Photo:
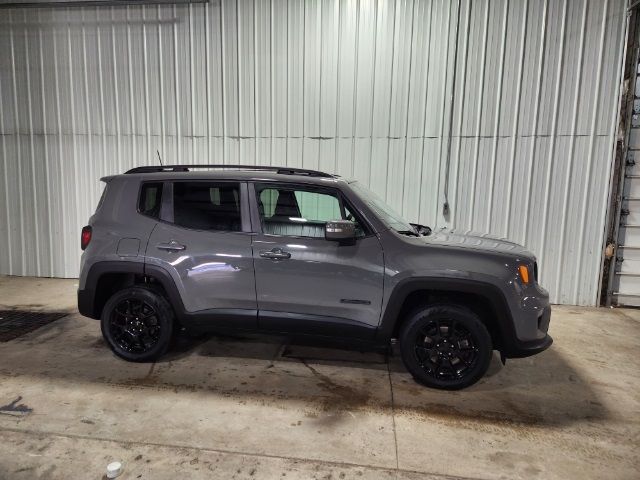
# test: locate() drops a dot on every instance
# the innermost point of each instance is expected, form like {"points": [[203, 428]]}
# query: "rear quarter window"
{"points": [[150, 199]]}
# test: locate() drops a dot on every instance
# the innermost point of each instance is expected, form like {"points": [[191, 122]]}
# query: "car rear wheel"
{"points": [[445, 346], [137, 323]]}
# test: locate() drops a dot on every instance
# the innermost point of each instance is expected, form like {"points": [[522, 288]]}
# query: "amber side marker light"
{"points": [[524, 273]]}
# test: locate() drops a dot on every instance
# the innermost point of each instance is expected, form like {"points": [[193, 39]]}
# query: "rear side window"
{"points": [[207, 206], [150, 199]]}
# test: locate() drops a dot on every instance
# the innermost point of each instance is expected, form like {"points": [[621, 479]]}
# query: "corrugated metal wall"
{"points": [[356, 87]]}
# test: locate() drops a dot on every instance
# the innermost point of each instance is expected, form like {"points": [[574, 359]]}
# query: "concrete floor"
{"points": [[259, 407]]}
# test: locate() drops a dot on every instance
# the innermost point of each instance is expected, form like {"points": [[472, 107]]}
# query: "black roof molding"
{"points": [[258, 168]]}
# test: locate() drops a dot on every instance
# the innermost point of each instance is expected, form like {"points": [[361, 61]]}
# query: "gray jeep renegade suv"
{"points": [[287, 250]]}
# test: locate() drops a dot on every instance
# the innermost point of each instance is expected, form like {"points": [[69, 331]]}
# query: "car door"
{"points": [[306, 283], [204, 242]]}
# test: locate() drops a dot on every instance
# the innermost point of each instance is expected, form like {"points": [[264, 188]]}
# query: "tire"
{"points": [[445, 346], [137, 324]]}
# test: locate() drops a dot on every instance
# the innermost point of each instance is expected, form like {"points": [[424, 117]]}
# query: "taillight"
{"points": [[85, 237]]}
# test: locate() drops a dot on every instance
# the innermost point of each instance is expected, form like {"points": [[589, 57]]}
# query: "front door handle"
{"points": [[275, 254], [172, 246]]}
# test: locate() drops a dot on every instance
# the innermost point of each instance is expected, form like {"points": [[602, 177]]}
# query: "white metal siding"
{"points": [[356, 87]]}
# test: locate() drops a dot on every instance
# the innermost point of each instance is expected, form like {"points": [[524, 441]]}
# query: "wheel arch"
{"points": [[483, 298], [106, 278]]}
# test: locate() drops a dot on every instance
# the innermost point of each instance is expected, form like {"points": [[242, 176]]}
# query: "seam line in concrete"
{"points": [[229, 452], [393, 414]]}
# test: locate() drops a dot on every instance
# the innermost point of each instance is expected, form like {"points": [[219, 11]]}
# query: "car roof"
{"points": [[229, 174]]}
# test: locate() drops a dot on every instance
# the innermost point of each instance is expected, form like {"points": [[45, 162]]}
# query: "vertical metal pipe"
{"points": [[447, 168], [463, 75], [445, 76]]}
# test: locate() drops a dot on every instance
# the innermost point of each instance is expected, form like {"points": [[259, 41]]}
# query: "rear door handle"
{"points": [[172, 246], [275, 254]]}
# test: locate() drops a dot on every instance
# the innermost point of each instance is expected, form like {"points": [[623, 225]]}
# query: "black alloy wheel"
{"points": [[137, 323], [134, 325], [445, 346], [445, 349]]}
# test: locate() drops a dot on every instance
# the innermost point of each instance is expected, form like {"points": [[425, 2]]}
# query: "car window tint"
{"points": [[150, 199], [207, 206], [269, 197], [318, 206], [298, 212]]}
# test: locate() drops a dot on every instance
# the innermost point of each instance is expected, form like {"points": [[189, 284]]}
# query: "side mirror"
{"points": [[341, 231]]}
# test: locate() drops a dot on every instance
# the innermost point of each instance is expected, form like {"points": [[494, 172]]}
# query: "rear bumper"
{"points": [[86, 300]]}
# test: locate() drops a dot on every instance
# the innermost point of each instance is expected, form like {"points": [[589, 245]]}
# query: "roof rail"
{"points": [[260, 168]]}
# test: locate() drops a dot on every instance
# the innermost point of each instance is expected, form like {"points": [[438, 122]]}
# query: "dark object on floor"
{"points": [[15, 323]]}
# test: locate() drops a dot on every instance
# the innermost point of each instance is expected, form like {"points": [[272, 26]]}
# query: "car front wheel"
{"points": [[445, 346], [137, 323]]}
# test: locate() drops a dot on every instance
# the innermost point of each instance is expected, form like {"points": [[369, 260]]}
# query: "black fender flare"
{"points": [[164, 278], [88, 296], [406, 287]]}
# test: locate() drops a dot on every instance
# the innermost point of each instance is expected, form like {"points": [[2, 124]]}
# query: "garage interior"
{"points": [[514, 118]]}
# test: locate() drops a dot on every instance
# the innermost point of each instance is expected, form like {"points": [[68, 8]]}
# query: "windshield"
{"points": [[388, 215]]}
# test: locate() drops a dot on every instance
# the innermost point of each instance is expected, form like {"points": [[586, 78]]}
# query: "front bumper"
{"points": [[519, 349]]}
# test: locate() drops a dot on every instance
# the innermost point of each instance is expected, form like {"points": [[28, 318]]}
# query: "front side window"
{"points": [[207, 206], [299, 212], [150, 199]]}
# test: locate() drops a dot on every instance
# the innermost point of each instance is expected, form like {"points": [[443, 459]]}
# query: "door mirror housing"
{"points": [[341, 231]]}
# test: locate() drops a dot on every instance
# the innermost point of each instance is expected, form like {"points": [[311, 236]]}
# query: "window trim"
{"points": [[167, 213], [369, 231]]}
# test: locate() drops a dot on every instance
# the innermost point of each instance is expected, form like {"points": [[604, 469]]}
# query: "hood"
{"points": [[477, 241]]}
